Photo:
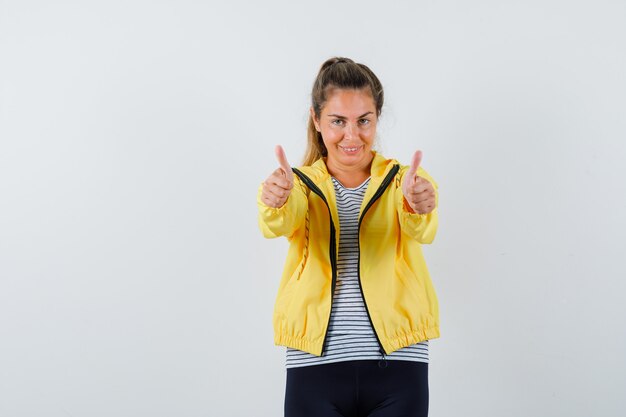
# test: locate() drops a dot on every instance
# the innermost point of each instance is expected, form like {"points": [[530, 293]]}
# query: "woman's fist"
{"points": [[277, 187], [419, 193]]}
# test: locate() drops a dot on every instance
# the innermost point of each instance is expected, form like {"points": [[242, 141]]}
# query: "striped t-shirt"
{"points": [[350, 334]]}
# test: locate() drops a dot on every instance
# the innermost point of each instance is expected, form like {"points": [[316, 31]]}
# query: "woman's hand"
{"points": [[277, 187], [419, 193]]}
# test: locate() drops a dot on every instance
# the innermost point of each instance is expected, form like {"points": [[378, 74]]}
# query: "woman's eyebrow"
{"points": [[344, 117]]}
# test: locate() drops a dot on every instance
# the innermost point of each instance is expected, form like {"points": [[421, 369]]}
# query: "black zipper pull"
{"points": [[383, 362]]}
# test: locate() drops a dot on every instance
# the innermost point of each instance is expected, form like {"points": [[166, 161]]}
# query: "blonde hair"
{"points": [[342, 73]]}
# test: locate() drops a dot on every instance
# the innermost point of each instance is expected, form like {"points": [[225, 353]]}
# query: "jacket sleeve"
{"points": [[421, 227], [285, 220]]}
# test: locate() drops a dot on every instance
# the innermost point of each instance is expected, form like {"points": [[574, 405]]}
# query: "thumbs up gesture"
{"points": [[277, 187], [419, 193]]}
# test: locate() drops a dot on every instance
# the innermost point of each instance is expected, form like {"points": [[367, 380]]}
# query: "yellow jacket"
{"points": [[396, 287]]}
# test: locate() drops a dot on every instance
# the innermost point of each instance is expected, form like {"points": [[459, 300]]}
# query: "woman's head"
{"points": [[356, 97]]}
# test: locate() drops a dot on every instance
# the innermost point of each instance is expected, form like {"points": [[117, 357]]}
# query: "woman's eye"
{"points": [[337, 122], [364, 121]]}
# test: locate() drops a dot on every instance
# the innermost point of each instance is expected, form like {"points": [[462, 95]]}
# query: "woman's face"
{"points": [[348, 126]]}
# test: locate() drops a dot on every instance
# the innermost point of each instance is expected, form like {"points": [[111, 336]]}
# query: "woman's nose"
{"points": [[350, 131]]}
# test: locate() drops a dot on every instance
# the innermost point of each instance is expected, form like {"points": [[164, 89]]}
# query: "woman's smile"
{"points": [[350, 150]]}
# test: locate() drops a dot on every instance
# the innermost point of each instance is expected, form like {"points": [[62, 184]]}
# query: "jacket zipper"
{"points": [[333, 243], [376, 196], [332, 248]]}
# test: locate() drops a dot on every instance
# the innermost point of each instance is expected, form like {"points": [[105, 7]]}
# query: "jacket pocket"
{"points": [[413, 285]]}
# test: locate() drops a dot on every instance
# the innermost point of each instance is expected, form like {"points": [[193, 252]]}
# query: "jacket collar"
{"points": [[319, 175]]}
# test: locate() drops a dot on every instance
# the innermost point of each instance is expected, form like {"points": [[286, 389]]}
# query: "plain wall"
{"points": [[134, 280]]}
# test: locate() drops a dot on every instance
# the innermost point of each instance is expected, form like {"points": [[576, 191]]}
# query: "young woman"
{"points": [[355, 305]]}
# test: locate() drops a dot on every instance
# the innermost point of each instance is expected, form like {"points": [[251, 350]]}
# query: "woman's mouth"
{"points": [[351, 150]]}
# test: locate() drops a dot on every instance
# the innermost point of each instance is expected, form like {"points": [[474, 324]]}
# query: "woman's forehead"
{"points": [[349, 103]]}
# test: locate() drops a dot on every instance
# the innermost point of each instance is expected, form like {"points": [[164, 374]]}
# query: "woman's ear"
{"points": [[315, 121]]}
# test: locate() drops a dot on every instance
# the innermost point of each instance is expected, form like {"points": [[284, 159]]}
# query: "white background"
{"points": [[133, 136]]}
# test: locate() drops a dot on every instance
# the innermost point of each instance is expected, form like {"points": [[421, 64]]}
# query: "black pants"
{"points": [[358, 389]]}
